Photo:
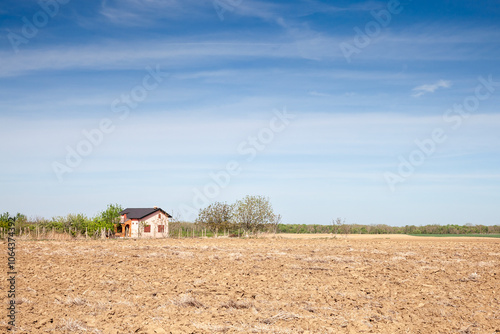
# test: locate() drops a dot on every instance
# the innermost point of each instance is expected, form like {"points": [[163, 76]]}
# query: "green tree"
{"points": [[106, 219], [4, 220], [77, 223], [111, 215]]}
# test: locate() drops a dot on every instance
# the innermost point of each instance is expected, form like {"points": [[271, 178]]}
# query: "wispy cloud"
{"points": [[122, 56], [294, 41], [275, 12], [430, 88], [145, 12]]}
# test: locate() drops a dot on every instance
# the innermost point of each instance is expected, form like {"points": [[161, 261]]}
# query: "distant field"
{"points": [[458, 235], [375, 236]]}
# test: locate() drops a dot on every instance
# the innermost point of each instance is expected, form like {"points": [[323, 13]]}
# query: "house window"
{"points": [[147, 228], [161, 228], [159, 215]]}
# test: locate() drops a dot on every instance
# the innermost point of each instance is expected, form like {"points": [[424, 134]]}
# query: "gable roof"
{"points": [[138, 213]]}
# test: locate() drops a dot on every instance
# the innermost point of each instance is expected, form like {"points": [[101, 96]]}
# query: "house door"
{"points": [[127, 230]]}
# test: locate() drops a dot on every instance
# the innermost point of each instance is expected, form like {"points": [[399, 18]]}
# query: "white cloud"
{"points": [[430, 88]]}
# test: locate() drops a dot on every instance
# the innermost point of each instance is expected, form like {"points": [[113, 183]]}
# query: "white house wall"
{"points": [[153, 221], [134, 229]]}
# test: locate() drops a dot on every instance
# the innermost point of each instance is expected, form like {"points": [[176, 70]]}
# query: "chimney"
{"points": [[155, 207]]}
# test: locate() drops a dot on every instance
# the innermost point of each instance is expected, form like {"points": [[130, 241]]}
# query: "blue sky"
{"points": [[380, 112]]}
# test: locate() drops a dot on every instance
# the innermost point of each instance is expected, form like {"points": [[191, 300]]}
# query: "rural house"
{"points": [[143, 223]]}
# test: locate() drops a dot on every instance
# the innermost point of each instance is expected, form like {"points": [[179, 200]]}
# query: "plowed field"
{"points": [[287, 285]]}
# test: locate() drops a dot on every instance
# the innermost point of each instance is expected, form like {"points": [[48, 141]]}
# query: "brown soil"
{"points": [[382, 284]]}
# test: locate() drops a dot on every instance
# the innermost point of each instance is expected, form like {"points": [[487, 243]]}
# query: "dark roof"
{"points": [[138, 213]]}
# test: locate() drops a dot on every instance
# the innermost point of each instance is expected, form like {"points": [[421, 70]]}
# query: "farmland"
{"points": [[290, 284]]}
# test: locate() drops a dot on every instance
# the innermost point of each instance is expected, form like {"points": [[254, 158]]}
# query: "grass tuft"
{"points": [[187, 300], [238, 305]]}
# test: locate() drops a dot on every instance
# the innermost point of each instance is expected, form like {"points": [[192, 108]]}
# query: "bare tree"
{"points": [[346, 229], [275, 223], [217, 216], [253, 213], [337, 223], [174, 224]]}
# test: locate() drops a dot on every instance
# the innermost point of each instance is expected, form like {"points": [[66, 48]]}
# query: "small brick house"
{"points": [[143, 223]]}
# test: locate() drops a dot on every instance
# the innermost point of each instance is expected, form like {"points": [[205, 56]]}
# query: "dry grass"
{"points": [[237, 305], [472, 277], [187, 300], [75, 326], [23, 300], [207, 328], [70, 301], [280, 316]]}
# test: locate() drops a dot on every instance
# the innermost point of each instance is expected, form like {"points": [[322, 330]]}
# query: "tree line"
{"points": [[386, 229], [74, 224], [249, 215]]}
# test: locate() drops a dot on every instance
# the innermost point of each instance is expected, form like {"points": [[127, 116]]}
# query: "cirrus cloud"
{"points": [[430, 88]]}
